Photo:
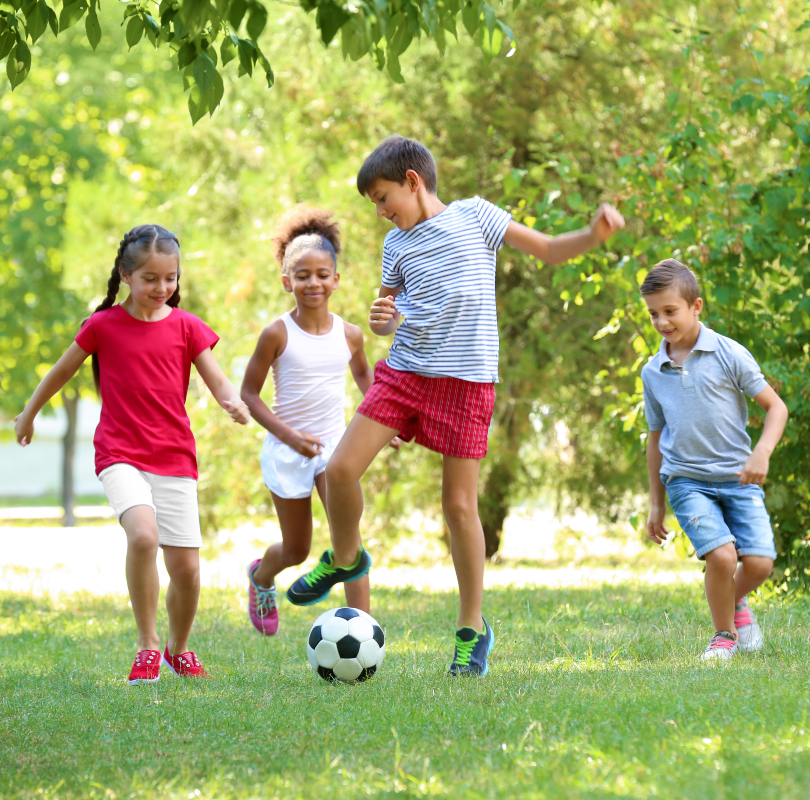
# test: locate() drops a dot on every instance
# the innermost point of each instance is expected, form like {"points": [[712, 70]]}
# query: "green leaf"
{"points": [[227, 50], [134, 31], [38, 20], [256, 21], [52, 21], [186, 54], [8, 38], [471, 16], [195, 14], [574, 200], [238, 9], [71, 14], [204, 72], [93, 29], [430, 16], [152, 28], [394, 69], [247, 57], [167, 12], [18, 64], [329, 20], [217, 92], [268, 70], [197, 104], [507, 32]]}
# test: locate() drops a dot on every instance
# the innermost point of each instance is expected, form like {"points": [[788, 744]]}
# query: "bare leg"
{"points": [[364, 438], [183, 594], [358, 593], [143, 582], [295, 521], [460, 505], [720, 589], [751, 574]]}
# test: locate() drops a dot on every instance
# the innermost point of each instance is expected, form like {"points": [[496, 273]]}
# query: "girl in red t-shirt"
{"points": [[146, 458]]}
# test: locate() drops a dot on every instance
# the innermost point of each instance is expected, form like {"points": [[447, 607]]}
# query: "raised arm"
{"points": [[383, 318], [223, 390], [59, 374], [565, 246]]}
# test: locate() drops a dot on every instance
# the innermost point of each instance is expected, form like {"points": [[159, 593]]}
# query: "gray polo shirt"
{"points": [[700, 408]]}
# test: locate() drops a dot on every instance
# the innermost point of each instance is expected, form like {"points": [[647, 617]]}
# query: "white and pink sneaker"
{"points": [[262, 604], [723, 645], [748, 630]]}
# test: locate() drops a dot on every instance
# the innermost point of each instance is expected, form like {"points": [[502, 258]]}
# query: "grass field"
{"points": [[592, 693]]}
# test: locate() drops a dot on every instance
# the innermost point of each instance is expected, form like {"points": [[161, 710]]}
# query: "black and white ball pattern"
{"points": [[346, 644]]}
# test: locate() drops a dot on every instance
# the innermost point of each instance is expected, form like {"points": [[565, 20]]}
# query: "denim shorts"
{"points": [[712, 514]]}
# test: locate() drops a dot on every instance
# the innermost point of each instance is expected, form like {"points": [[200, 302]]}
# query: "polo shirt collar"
{"points": [[707, 342]]}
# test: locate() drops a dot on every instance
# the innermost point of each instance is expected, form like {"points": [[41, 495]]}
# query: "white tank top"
{"points": [[310, 380]]}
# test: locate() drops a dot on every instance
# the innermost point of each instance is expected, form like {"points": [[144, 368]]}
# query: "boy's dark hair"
{"points": [[671, 272], [134, 249], [392, 158], [301, 220]]}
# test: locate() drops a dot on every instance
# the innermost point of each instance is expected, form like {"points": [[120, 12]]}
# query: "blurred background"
{"points": [[692, 118]]}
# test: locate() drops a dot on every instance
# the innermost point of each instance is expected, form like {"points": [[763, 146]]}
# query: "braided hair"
{"points": [[315, 229], [133, 251]]}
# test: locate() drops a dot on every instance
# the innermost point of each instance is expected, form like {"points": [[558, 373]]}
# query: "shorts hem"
{"points": [[197, 546], [452, 452], [757, 551], [134, 505], [288, 497], [713, 545]]}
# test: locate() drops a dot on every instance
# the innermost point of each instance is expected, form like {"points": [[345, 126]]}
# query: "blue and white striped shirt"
{"points": [[446, 266]]}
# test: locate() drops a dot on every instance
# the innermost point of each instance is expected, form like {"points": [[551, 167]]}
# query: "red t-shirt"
{"points": [[145, 367]]}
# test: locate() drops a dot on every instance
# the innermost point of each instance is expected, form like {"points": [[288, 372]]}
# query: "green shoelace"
{"points": [[321, 571], [464, 650]]}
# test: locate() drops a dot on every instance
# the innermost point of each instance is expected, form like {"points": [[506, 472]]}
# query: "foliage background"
{"points": [[692, 117]]}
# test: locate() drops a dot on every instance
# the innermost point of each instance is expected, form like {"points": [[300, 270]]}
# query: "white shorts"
{"points": [[290, 475], [172, 498]]}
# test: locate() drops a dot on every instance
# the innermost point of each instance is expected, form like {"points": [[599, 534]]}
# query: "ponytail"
{"points": [[133, 250]]}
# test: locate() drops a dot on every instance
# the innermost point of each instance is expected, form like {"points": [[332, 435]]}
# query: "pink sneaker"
{"points": [[747, 628], [262, 608], [723, 645]]}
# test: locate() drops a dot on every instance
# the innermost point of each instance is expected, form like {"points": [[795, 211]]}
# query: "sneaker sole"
{"points": [[144, 680], [164, 663], [753, 647]]}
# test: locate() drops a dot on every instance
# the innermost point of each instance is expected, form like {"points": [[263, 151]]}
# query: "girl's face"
{"points": [[155, 281], [312, 279]]}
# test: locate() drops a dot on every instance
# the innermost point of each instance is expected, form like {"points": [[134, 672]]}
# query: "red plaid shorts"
{"points": [[447, 415]]}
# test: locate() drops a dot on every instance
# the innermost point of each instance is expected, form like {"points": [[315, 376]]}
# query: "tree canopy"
{"points": [[206, 35]]}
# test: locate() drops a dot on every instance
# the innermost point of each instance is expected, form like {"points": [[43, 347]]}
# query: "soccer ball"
{"points": [[346, 644]]}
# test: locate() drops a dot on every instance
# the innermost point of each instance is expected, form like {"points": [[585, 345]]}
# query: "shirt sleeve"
{"points": [[201, 337], [652, 408], [747, 373], [493, 221], [391, 273], [86, 337]]}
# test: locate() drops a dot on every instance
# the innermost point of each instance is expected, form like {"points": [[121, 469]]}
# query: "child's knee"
{"points": [[185, 572], [296, 553], [142, 539], [723, 558], [757, 568], [340, 472], [460, 510]]}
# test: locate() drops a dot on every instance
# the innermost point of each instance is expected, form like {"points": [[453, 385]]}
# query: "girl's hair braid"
{"points": [[301, 220], [133, 251]]}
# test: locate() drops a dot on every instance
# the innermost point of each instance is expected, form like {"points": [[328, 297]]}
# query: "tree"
{"points": [[205, 34]]}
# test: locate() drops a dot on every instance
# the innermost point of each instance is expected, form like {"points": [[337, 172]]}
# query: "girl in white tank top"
{"points": [[308, 349]]}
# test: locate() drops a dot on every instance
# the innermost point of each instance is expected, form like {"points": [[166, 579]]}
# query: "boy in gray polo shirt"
{"points": [[699, 454]]}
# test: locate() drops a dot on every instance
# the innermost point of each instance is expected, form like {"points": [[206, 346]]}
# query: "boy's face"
{"points": [[398, 203], [673, 316]]}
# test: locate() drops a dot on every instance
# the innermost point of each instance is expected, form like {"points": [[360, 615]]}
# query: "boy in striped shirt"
{"points": [[438, 384]]}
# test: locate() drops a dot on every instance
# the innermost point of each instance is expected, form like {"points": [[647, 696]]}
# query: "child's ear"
{"points": [[285, 282], [698, 307], [412, 179]]}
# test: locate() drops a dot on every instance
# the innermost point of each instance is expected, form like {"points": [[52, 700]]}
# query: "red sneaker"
{"points": [[146, 668], [186, 665]]}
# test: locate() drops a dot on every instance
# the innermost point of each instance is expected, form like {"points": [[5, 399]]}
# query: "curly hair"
{"points": [[299, 221]]}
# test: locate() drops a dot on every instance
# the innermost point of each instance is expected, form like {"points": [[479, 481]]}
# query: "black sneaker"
{"points": [[316, 585], [472, 651]]}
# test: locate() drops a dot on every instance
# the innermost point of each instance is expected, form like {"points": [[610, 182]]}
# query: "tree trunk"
{"points": [[71, 402], [493, 505]]}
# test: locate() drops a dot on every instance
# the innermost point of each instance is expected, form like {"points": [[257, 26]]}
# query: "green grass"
{"points": [[592, 693]]}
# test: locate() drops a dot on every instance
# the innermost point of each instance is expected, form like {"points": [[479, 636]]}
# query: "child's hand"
{"points": [[382, 312], [396, 443], [238, 411], [606, 221], [23, 429], [304, 443], [655, 525], [755, 469]]}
